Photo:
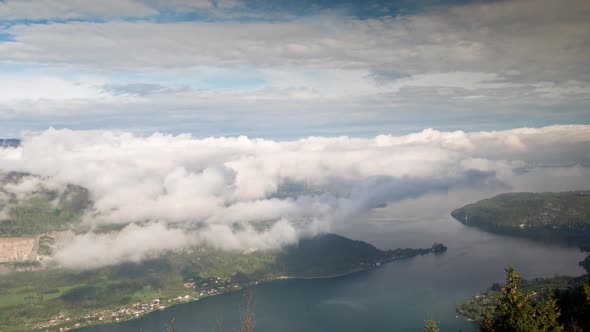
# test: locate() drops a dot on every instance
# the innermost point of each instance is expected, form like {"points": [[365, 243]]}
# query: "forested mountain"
{"points": [[563, 210]]}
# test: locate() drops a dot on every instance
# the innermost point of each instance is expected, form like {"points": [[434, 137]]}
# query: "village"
{"points": [[200, 289]]}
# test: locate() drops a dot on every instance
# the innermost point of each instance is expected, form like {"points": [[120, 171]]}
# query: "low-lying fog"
{"points": [[238, 193]]}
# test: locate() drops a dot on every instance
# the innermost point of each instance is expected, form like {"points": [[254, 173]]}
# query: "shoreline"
{"points": [[147, 305], [249, 286]]}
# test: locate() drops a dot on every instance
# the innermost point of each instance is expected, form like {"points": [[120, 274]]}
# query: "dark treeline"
{"points": [[519, 310]]}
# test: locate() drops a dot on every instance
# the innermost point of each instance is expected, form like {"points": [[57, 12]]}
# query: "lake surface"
{"points": [[399, 296]]}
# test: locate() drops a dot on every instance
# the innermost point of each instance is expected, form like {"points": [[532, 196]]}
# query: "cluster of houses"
{"points": [[121, 313], [135, 310], [57, 320], [202, 288], [212, 286]]}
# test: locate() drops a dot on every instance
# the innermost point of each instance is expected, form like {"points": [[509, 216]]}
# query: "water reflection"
{"points": [[397, 297]]}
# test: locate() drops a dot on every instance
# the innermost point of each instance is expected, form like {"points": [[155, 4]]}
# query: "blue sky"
{"points": [[287, 69]]}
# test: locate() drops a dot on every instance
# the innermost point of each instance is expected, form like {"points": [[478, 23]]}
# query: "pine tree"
{"points": [[585, 288], [577, 306], [547, 313], [431, 326], [487, 325], [517, 312]]}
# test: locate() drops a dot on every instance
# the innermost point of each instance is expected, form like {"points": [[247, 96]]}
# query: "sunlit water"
{"points": [[399, 296]]}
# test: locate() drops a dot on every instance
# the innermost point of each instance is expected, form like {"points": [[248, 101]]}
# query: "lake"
{"points": [[398, 296]]}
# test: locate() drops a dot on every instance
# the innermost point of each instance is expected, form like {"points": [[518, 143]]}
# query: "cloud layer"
{"points": [[547, 41], [143, 65], [240, 193]]}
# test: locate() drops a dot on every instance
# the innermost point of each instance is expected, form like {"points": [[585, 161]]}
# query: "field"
{"points": [[27, 298], [61, 298]]}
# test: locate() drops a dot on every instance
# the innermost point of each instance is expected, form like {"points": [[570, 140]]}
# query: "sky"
{"points": [[250, 124], [290, 69]]}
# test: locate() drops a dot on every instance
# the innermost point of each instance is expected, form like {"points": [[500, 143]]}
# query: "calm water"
{"points": [[396, 297]]}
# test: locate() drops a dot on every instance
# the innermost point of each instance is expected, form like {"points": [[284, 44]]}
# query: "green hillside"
{"points": [[50, 297], [33, 298], [42, 211], [331, 254], [328, 255], [564, 210]]}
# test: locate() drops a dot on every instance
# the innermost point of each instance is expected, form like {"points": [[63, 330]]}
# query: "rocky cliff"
{"points": [[18, 249]]}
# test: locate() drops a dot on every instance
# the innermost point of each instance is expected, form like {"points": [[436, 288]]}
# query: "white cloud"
{"points": [[483, 57], [530, 40], [133, 244], [275, 191], [71, 9]]}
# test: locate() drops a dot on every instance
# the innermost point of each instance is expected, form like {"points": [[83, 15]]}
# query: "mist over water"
{"points": [[399, 296], [192, 127], [170, 191], [393, 192]]}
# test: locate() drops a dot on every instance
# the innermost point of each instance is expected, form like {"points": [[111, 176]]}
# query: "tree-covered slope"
{"points": [[482, 305], [40, 210], [563, 210], [562, 217], [28, 299], [41, 296], [331, 254], [551, 304], [327, 254]]}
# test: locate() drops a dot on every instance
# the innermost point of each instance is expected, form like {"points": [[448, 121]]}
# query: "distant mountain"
{"points": [[330, 254], [526, 211], [561, 217], [9, 142]]}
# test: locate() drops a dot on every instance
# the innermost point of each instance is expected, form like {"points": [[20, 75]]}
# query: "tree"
{"points": [[585, 289], [575, 306], [431, 326], [547, 313], [486, 325], [518, 312]]}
